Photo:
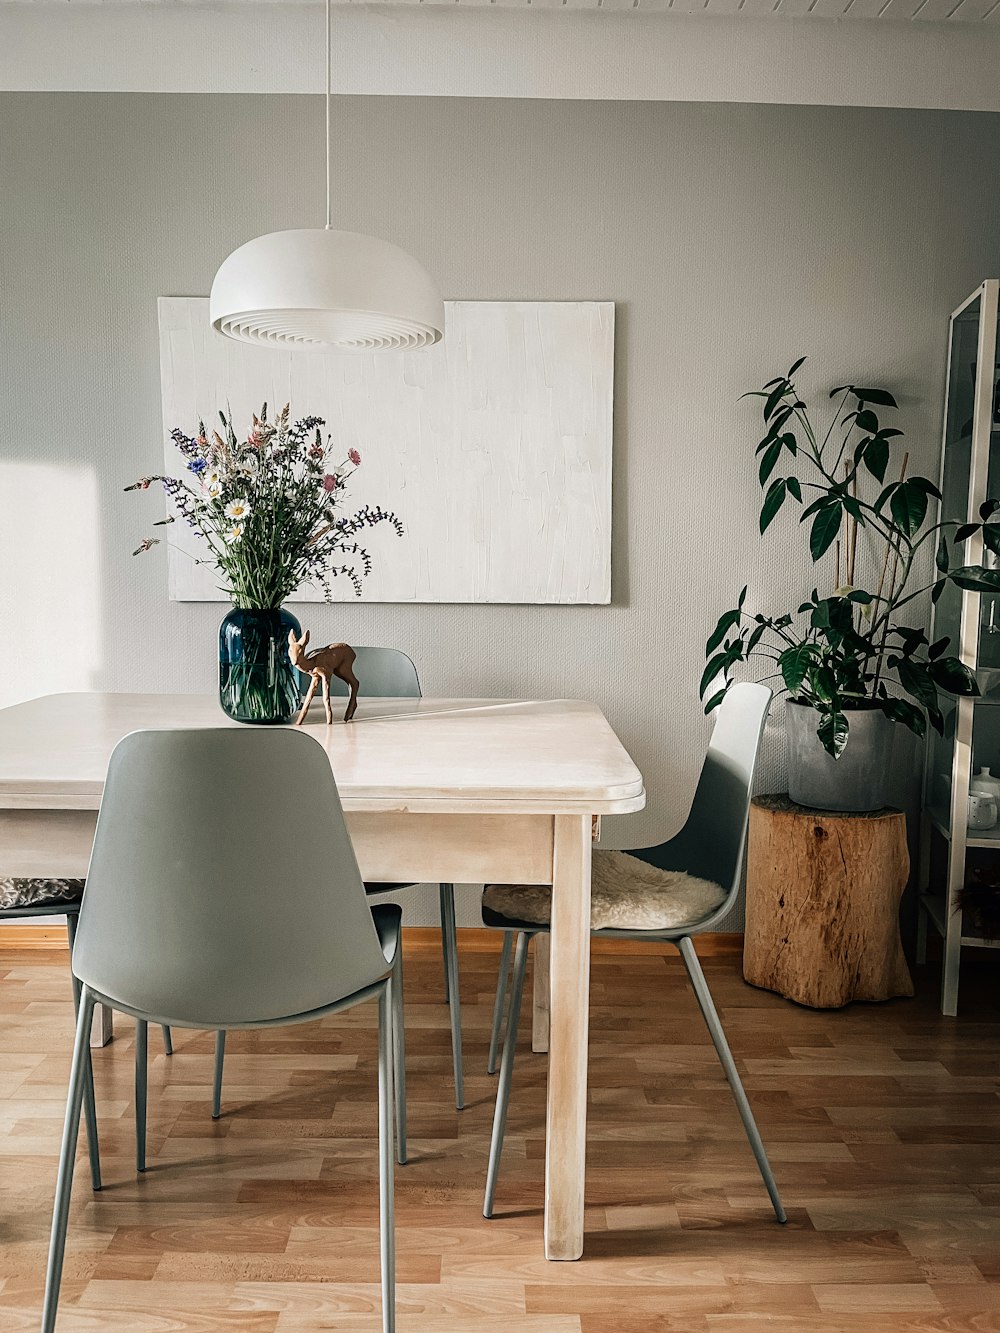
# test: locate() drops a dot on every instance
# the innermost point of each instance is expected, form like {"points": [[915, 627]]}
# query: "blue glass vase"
{"points": [[257, 682]]}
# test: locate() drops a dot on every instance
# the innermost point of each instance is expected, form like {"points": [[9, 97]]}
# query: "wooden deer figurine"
{"points": [[336, 659]]}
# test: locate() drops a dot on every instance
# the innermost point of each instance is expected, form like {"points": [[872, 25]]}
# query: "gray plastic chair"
{"points": [[223, 892], [70, 910], [387, 673], [709, 846]]}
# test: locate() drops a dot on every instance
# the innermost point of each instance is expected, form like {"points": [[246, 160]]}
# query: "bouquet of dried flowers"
{"points": [[268, 507]]}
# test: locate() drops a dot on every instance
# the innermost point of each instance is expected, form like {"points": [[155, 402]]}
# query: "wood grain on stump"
{"points": [[823, 891]]}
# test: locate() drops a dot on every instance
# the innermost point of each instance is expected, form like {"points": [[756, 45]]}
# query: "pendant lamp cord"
{"points": [[327, 110]]}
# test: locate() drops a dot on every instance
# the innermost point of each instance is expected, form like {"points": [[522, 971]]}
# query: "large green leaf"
{"points": [[941, 557], [975, 578], [773, 501], [770, 459], [910, 638], [901, 710], [925, 484], [908, 507], [880, 397], [795, 367], [833, 732], [916, 681], [714, 666], [793, 664], [775, 397], [754, 639], [953, 675], [822, 683], [876, 456], [714, 702], [884, 495], [725, 623], [825, 527]]}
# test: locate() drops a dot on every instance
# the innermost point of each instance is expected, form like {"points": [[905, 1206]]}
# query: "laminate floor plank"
{"points": [[882, 1122]]}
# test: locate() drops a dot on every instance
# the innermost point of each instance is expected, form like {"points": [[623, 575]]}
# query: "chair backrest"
{"points": [[383, 673], [711, 843], [223, 888]]}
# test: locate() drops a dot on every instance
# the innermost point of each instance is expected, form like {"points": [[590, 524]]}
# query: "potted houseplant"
{"points": [[852, 663], [267, 507]]}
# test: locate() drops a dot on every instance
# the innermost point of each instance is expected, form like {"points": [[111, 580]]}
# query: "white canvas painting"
{"points": [[493, 447]]}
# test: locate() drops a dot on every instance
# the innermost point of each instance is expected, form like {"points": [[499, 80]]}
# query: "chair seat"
{"points": [[16, 893], [626, 894]]}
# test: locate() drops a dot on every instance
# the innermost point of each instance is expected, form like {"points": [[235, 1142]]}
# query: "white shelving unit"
{"points": [[970, 472]]}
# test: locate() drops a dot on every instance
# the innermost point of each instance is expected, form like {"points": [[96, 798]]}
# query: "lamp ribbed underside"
{"points": [[346, 330]]}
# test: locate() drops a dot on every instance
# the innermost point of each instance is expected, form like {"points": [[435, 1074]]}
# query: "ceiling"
{"points": [[934, 11], [925, 11], [934, 54]]}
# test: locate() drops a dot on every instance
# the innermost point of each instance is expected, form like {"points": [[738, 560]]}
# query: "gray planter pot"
{"points": [[858, 780]]}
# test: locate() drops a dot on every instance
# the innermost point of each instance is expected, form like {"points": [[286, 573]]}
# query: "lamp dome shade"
{"points": [[315, 288]]}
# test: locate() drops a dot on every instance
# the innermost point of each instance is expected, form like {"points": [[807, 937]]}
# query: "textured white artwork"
{"points": [[493, 448]]}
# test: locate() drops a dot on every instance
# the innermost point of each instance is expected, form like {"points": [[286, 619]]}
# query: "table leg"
{"points": [[540, 996], [102, 1029], [566, 1116]]}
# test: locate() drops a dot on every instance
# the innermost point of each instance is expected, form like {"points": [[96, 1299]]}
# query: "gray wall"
{"points": [[733, 239]]}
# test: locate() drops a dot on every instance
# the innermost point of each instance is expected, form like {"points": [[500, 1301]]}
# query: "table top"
{"points": [[424, 755]]}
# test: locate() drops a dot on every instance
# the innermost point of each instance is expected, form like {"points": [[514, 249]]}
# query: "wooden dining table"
{"points": [[454, 790]]}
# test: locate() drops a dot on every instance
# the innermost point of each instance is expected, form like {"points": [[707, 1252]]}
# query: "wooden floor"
{"points": [[883, 1125]]}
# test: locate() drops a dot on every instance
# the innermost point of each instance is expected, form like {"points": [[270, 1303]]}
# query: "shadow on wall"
{"points": [[50, 603]]}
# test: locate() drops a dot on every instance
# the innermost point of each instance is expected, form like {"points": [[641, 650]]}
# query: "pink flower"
{"points": [[330, 482], [255, 439], [354, 456]]}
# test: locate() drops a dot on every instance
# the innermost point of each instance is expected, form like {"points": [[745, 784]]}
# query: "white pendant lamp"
{"points": [[324, 289]]}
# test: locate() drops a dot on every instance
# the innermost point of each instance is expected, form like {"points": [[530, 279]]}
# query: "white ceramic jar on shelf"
{"points": [[984, 800]]}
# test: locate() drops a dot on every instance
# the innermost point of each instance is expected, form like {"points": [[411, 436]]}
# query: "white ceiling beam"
{"points": [[462, 51]]}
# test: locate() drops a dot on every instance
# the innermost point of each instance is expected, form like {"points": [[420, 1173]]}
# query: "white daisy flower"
{"points": [[237, 509], [212, 478], [235, 533], [214, 490]]}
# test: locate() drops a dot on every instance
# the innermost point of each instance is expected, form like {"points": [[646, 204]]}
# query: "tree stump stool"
{"points": [[823, 891]]}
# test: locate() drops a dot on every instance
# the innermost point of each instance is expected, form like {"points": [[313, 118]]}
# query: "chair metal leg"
{"points": [[67, 1155], [387, 1221], [499, 1002], [449, 937], [399, 1056], [141, 1050], [506, 1072], [220, 1059], [168, 1041], [89, 1102], [712, 1021], [442, 888]]}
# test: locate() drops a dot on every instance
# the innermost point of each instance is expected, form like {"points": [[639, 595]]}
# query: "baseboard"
{"points": [[418, 940], [32, 935]]}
